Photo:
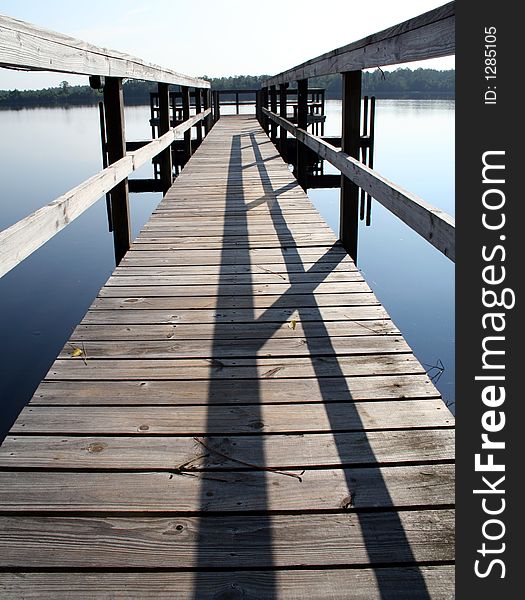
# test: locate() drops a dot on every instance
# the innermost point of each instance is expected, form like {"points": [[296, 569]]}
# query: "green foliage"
{"points": [[405, 83]]}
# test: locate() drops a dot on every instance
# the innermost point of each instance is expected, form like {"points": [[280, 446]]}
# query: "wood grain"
{"points": [[28, 47], [429, 35], [232, 542]]}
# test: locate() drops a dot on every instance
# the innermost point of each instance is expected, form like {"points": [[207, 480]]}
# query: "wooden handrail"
{"points": [[436, 226], [25, 46], [27, 235], [430, 35]]}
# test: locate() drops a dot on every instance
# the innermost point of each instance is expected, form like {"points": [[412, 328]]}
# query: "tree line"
{"points": [[401, 83]]}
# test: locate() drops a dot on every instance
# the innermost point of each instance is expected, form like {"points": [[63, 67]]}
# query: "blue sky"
{"points": [[226, 37]]}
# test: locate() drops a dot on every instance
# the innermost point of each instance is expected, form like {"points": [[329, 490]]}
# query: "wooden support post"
{"points": [[282, 112], [165, 160], [273, 108], [185, 116], [216, 106], [350, 142], [302, 123], [116, 149], [237, 103], [258, 106], [103, 143], [198, 109], [207, 104], [264, 104]]}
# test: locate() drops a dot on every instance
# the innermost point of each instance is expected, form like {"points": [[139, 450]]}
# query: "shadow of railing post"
{"points": [[394, 527]]}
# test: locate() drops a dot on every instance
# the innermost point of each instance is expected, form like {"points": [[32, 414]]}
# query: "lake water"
{"points": [[44, 152]]}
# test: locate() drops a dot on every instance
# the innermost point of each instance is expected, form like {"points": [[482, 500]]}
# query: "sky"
{"points": [[212, 37]]}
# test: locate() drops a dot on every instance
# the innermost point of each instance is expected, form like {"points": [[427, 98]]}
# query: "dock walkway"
{"points": [[235, 417]]}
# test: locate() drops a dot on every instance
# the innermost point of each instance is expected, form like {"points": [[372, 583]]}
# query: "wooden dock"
{"points": [[235, 417]]}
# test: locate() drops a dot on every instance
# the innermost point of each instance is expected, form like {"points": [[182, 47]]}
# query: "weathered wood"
{"points": [[134, 299], [280, 316], [129, 287], [27, 235], [315, 489], [116, 150], [430, 222], [350, 142], [273, 108], [430, 35], [264, 102], [317, 584], [198, 108], [232, 542], [282, 111], [269, 391], [281, 451], [302, 122], [210, 368], [28, 47], [216, 106], [206, 105], [228, 420], [185, 91], [299, 346], [165, 160]]}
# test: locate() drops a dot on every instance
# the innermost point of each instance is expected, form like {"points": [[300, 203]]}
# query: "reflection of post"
{"points": [[350, 142], [165, 161], [273, 108], [282, 113], [116, 147], [302, 123], [185, 116]]}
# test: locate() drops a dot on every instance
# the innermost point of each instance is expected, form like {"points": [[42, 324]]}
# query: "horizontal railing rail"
{"points": [[27, 47], [430, 35], [426, 36], [24, 46], [27, 235], [433, 224]]}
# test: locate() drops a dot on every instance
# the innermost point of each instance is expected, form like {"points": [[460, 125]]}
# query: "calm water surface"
{"points": [[44, 152]]}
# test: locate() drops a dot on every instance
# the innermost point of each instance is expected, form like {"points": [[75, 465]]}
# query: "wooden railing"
{"points": [[426, 36], [24, 46]]}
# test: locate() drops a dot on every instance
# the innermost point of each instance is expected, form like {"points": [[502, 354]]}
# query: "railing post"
{"points": [[198, 109], [302, 123], [273, 108], [185, 116], [216, 106], [349, 203], [116, 148], [207, 104], [258, 106], [282, 113], [264, 104], [165, 159]]}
